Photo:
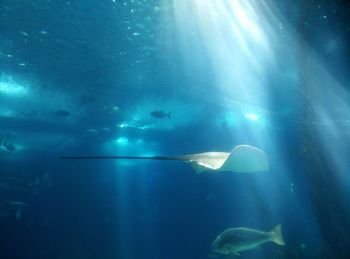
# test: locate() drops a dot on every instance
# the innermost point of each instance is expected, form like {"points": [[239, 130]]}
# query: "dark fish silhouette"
{"points": [[61, 113], [160, 114]]}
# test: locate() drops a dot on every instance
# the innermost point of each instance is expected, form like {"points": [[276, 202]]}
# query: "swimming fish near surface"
{"points": [[234, 240], [160, 114]]}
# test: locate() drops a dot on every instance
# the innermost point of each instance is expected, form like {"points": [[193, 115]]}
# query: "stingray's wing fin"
{"points": [[205, 161], [246, 159], [242, 159]]}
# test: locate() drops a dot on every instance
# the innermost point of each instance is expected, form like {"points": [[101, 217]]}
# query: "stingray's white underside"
{"points": [[242, 159]]}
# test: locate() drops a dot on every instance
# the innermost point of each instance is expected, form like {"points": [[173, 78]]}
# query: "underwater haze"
{"points": [[163, 82]]}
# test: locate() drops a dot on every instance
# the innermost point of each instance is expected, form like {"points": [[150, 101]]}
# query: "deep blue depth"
{"points": [[101, 64]]}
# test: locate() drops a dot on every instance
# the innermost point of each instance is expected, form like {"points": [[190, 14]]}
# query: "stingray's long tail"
{"points": [[122, 157]]}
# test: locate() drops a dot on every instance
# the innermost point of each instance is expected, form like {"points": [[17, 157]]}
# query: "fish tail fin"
{"points": [[277, 235], [169, 115]]}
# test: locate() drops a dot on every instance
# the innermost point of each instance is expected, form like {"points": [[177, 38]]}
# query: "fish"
{"points": [[234, 240], [242, 159], [160, 114], [61, 113]]}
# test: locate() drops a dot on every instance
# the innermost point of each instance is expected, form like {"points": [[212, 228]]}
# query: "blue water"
{"points": [[83, 78]]}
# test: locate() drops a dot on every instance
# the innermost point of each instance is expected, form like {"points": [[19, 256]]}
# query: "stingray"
{"points": [[242, 159]]}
